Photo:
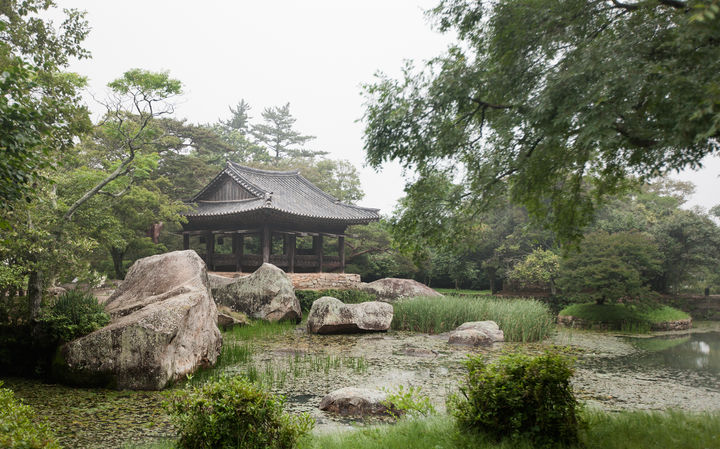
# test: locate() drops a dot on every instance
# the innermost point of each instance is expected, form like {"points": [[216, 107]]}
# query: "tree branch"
{"points": [[120, 171]]}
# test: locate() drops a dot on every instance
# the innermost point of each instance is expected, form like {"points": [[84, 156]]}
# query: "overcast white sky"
{"points": [[314, 54]]}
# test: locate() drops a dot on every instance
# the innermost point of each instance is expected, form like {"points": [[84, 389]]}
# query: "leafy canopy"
{"points": [[559, 102], [40, 111]]}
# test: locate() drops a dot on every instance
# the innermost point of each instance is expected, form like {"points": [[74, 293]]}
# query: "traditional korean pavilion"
{"points": [[246, 216]]}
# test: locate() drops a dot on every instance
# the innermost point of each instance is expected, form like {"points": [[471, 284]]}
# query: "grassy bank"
{"points": [[623, 317], [624, 430], [521, 319]]}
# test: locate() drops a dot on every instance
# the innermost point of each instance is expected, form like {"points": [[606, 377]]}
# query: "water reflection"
{"points": [[695, 352]]}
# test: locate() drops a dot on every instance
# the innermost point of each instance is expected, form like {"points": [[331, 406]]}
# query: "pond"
{"points": [[613, 372], [670, 370], [697, 353]]}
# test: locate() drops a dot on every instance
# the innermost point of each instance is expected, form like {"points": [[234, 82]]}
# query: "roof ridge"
{"points": [[233, 172], [239, 167]]}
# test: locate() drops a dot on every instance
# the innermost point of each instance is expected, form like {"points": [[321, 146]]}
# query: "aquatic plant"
{"points": [[520, 319]]}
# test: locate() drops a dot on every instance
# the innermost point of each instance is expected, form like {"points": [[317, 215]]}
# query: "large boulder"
{"points": [[391, 289], [267, 294], [353, 401], [217, 281], [163, 327], [476, 333], [329, 315]]}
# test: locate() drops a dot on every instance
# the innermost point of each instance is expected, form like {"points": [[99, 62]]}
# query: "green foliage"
{"points": [[72, 315], [371, 252], [520, 396], [19, 428], [408, 402], [520, 319], [539, 267], [609, 267], [557, 102], [307, 297], [40, 111], [626, 317], [279, 137], [232, 412]]}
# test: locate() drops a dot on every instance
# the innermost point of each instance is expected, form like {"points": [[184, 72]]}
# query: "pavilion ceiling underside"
{"points": [[255, 221]]}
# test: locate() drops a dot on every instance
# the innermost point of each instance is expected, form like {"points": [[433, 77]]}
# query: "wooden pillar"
{"points": [[186, 240], [238, 249], [291, 253], [210, 250], [341, 252], [266, 242], [318, 246]]}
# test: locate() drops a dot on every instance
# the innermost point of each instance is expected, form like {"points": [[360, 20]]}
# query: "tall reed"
{"points": [[520, 319]]}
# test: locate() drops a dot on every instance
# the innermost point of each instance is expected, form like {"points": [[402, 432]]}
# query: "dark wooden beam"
{"points": [[318, 247], [291, 253], [238, 249], [186, 240], [210, 250], [341, 253], [266, 242]]}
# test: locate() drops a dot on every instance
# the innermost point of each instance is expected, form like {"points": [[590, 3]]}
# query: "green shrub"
{"points": [[637, 317], [72, 315], [307, 297], [18, 427], [520, 319], [518, 397], [408, 402], [232, 412]]}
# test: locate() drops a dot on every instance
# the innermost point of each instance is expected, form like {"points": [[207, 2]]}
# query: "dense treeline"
{"points": [[641, 242]]}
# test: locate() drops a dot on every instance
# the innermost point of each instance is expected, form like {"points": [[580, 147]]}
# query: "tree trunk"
{"points": [[34, 293], [117, 257], [553, 289]]}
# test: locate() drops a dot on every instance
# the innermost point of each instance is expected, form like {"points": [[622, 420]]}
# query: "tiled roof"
{"points": [[283, 191]]}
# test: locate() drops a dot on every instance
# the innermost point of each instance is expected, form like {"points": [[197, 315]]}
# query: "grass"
{"points": [[238, 353], [650, 430], [665, 313], [237, 348], [462, 292], [623, 430], [621, 316], [520, 319]]}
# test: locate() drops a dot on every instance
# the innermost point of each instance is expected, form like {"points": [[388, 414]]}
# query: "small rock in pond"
{"points": [[476, 333], [352, 401]]}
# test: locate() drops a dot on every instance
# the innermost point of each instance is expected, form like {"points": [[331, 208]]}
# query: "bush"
{"points": [[18, 428], [520, 396], [232, 412], [624, 317], [307, 297], [520, 319], [72, 315], [408, 402]]}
